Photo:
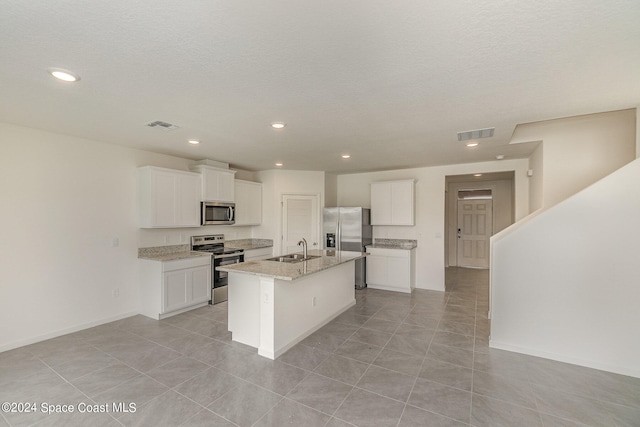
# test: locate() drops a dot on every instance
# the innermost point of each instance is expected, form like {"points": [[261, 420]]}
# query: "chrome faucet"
{"points": [[303, 242]]}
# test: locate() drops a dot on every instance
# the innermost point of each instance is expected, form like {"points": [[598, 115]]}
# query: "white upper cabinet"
{"points": [[248, 202], [392, 202], [217, 184], [168, 198]]}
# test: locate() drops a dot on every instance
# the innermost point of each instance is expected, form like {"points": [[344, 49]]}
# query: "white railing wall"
{"points": [[565, 282]]}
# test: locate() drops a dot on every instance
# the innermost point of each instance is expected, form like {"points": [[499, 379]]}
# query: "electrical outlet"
{"points": [[115, 242], [313, 302], [115, 293]]}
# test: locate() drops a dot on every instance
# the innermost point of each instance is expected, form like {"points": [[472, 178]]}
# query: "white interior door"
{"points": [[475, 224], [300, 220]]}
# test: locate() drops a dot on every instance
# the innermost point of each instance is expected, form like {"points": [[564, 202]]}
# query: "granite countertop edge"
{"points": [[169, 253], [405, 244], [293, 271], [402, 246]]}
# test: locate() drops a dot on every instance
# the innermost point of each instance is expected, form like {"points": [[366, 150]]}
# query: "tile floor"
{"points": [[392, 360]]}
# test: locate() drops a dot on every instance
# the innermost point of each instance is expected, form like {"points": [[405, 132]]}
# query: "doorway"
{"points": [[300, 219], [475, 226], [499, 185]]}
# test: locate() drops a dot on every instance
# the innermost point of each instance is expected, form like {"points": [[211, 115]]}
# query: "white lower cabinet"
{"points": [[258, 254], [391, 269], [172, 287]]}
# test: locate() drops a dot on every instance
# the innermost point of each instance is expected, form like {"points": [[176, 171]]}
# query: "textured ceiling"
{"points": [[389, 82]]}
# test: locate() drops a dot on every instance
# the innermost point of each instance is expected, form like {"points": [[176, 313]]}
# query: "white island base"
{"points": [[273, 314]]}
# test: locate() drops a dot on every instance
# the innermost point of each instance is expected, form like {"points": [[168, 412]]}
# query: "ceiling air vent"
{"points": [[475, 134], [162, 125]]}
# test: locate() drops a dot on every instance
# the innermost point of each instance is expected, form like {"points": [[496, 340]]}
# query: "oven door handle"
{"points": [[237, 254]]}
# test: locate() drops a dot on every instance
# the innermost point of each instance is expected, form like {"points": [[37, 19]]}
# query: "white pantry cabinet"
{"points": [[391, 269], [258, 254], [217, 184], [168, 198], [248, 202], [392, 202], [172, 287]]}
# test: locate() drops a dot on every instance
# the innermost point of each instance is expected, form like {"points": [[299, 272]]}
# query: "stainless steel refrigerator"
{"points": [[348, 229]]}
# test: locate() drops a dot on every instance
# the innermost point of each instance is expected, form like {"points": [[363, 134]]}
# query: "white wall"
{"points": [[429, 231], [579, 151], [275, 183], [64, 200], [330, 190], [565, 282], [637, 132], [536, 165]]}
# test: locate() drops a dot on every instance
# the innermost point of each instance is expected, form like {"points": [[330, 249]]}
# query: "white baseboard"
{"points": [[622, 370], [65, 331]]}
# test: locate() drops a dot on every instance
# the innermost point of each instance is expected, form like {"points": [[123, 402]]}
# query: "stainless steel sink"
{"points": [[292, 258]]}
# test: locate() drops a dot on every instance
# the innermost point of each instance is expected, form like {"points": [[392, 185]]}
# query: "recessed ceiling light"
{"points": [[477, 174], [278, 125], [278, 164], [64, 75], [194, 141], [346, 156], [472, 144]]}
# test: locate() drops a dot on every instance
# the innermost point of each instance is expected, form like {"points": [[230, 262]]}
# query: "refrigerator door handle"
{"points": [[338, 235]]}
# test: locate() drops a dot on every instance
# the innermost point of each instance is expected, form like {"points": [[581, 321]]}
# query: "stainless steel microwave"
{"points": [[218, 213]]}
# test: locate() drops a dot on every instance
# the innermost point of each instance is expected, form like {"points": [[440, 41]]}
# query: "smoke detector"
{"points": [[475, 134], [162, 125]]}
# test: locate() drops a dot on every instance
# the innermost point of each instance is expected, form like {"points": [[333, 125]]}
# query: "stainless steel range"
{"points": [[214, 243]]}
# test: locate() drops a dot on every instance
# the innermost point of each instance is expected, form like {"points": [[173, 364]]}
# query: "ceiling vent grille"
{"points": [[475, 134], [162, 125]]}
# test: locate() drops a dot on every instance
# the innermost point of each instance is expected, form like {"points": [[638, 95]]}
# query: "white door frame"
{"points": [[280, 241]]}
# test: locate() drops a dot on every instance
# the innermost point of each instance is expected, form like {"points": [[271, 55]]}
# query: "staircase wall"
{"points": [[565, 281]]}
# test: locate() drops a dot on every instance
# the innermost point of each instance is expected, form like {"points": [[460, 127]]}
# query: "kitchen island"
{"points": [[274, 305]]}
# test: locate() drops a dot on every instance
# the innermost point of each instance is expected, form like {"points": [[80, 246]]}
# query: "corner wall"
{"points": [[578, 151], [536, 165], [565, 283], [64, 201]]}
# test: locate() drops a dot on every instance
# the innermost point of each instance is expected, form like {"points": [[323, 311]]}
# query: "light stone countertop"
{"points": [[405, 244], [295, 270], [177, 255], [170, 253]]}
